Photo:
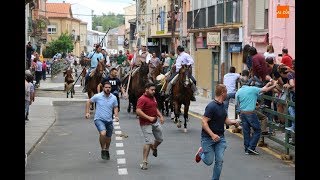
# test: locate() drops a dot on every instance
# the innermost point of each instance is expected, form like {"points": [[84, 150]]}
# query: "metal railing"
{"points": [[57, 66], [274, 126]]}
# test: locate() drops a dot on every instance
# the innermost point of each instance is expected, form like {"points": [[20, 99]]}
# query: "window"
{"points": [[233, 11], [220, 12], [211, 16], [261, 14], [189, 20], [52, 29], [152, 16]]}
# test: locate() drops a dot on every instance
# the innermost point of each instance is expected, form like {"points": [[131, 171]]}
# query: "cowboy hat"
{"points": [[160, 77]]}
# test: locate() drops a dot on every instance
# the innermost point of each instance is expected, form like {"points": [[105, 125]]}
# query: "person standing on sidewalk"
{"points": [[148, 114], [246, 98], [105, 102], [213, 143]]}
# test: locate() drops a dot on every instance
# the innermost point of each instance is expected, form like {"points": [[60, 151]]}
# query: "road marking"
{"points": [[266, 149], [118, 132], [121, 161], [120, 152], [115, 123], [118, 138], [116, 127], [122, 171], [119, 144]]}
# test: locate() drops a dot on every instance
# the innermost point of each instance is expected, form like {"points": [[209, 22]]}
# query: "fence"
{"points": [[274, 127], [57, 66]]}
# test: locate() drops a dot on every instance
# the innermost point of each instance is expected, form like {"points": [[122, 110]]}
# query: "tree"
{"points": [[63, 45], [107, 21]]}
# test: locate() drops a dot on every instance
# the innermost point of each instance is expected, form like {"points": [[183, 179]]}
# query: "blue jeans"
{"points": [[248, 121], [226, 102], [213, 151], [104, 125]]}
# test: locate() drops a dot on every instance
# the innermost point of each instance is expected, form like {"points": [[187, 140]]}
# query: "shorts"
{"points": [[152, 132], [104, 125]]}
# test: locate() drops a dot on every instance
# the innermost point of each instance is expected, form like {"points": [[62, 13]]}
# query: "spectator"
{"points": [[286, 58], [44, 70], [270, 52]]}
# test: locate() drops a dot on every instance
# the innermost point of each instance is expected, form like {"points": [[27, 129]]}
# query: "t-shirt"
{"points": [[105, 105], [217, 114], [149, 106], [229, 80], [115, 84], [247, 97], [95, 58], [121, 59]]}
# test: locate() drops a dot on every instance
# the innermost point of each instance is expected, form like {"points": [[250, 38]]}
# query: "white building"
{"points": [[95, 37]]}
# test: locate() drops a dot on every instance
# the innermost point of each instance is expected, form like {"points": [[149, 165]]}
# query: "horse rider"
{"points": [[140, 56], [95, 57], [183, 59], [153, 63]]}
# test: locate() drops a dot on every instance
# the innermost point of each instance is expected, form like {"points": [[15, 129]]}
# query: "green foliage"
{"points": [[107, 21], [63, 44]]}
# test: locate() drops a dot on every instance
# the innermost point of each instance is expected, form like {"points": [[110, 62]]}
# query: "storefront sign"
{"points": [[234, 48], [282, 11], [213, 38], [159, 32]]}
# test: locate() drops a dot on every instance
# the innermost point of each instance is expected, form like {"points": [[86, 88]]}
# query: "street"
{"points": [[71, 150]]}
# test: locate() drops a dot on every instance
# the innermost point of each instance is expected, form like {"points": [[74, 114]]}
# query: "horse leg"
{"points": [[185, 115]]}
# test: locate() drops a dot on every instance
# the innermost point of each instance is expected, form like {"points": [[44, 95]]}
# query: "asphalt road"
{"points": [[71, 150]]}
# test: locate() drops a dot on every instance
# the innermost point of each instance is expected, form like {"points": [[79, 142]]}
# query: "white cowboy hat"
{"points": [[160, 77], [143, 44]]}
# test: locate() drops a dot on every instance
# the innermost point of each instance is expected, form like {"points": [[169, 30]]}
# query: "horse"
{"points": [[83, 76], [68, 83], [136, 86], [95, 79], [181, 94]]}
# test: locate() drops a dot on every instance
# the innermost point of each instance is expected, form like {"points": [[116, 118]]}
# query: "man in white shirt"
{"points": [[230, 81], [183, 59]]}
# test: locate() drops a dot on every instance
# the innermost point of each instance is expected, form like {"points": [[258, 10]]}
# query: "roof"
{"points": [[61, 10]]}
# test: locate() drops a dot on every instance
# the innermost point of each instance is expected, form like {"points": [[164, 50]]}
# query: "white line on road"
{"points": [[117, 132], [116, 127], [120, 152], [119, 144], [118, 138], [122, 171], [121, 161]]}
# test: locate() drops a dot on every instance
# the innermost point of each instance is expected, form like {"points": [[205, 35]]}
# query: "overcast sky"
{"points": [[99, 6]]}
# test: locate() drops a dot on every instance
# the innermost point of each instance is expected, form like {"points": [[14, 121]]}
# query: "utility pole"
{"points": [[173, 23], [181, 22]]}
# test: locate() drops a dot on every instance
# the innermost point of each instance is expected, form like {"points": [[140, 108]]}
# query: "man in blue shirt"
{"points": [[94, 57], [105, 103], [213, 143]]}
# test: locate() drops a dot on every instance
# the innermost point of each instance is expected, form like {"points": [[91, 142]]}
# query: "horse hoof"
{"points": [[185, 130], [179, 125]]}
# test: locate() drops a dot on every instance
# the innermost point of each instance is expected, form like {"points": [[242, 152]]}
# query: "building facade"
{"points": [[62, 21], [130, 21]]}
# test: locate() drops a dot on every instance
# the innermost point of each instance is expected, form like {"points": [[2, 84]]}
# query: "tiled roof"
{"points": [[62, 10]]}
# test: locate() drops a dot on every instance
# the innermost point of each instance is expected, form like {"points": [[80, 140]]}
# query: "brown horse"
{"points": [[68, 83], [95, 79], [182, 94], [136, 86]]}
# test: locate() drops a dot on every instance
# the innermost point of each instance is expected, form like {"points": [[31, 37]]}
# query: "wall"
{"points": [[282, 30]]}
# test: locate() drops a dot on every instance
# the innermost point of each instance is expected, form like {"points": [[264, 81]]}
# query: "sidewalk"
{"points": [[42, 115]]}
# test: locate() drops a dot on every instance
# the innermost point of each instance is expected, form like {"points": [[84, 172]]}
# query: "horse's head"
{"points": [[183, 75], [100, 68], [144, 69]]}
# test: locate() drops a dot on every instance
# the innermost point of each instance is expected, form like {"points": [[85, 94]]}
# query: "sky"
{"points": [[82, 9]]}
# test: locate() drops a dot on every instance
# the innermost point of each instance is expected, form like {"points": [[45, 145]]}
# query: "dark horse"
{"points": [[95, 80], [136, 86], [68, 83], [182, 94]]}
